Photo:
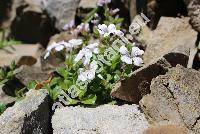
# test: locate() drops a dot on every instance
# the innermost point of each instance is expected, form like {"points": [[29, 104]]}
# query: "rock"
{"points": [[133, 9], [86, 4], [28, 116], [194, 13], [27, 74], [170, 33], [27, 22], [138, 85], [166, 129], [192, 57], [107, 119], [21, 54], [179, 55], [63, 11], [5, 99], [173, 98], [156, 9]]}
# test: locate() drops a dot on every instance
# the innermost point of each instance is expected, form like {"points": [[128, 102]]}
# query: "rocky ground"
{"points": [[163, 96]]}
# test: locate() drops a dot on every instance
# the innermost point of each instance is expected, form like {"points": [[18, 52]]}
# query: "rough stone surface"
{"points": [[138, 84], [28, 116], [166, 129], [194, 13], [170, 33], [62, 10], [26, 21], [175, 98], [85, 4], [21, 54], [107, 119], [4, 98], [26, 74]]}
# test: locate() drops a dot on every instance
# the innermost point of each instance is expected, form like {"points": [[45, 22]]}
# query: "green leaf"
{"points": [[13, 66], [31, 85], [62, 72], [90, 100], [2, 108], [4, 81], [91, 15]]}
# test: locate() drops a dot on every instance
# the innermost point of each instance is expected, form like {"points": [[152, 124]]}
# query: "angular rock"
{"points": [[5, 99], [26, 74], [156, 9], [107, 119], [27, 22], [21, 54], [166, 129], [138, 85], [170, 33], [63, 11], [28, 116], [174, 98], [179, 55], [194, 13]]}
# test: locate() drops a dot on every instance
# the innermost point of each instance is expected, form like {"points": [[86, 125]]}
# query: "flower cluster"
{"points": [[74, 43], [107, 30], [94, 68], [133, 57]]}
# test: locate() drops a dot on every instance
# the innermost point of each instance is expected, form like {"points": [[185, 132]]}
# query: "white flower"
{"points": [[58, 47], [88, 74], [133, 57], [107, 30], [86, 53], [74, 43]]}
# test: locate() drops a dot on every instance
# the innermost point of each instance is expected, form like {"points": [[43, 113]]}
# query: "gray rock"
{"points": [[194, 13], [138, 85], [28, 116], [107, 119], [170, 34], [174, 98], [85, 4], [62, 10], [26, 74], [5, 99]]}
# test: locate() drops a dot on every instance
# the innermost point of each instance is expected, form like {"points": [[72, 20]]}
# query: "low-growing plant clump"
{"points": [[92, 69]]}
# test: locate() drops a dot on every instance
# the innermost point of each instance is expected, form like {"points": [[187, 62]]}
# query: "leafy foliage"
{"points": [[89, 71], [2, 108]]}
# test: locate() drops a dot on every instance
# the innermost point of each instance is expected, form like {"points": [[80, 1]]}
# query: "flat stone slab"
{"points": [[169, 34], [107, 119], [26, 54]]}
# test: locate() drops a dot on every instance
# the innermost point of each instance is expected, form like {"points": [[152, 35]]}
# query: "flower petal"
{"points": [[123, 50], [46, 55], [126, 59], [59, 48], [137, 61], [76, 42], [111, 28], [136, 52]]}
